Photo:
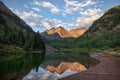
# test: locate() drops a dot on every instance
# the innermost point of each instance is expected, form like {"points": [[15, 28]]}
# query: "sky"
{"points": [[42, 15]]}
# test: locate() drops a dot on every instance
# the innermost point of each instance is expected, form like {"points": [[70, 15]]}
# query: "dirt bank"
{"points": [[107, 69]]}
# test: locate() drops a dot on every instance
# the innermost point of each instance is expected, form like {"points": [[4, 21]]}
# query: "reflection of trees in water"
{"points": [[25, 62]]}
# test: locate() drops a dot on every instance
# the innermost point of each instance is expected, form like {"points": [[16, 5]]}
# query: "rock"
{"points": [[75, 66]]}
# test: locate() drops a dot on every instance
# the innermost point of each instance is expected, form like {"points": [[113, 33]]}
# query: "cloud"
{"points": [[30, 14], [36, 3], [48, 23], [90, 12], [77, 14], [51, 23], [89, 2], [15, 11], [36, 9], [72, 6], [53, 8], [49, 5], [64, 14], [88, 17], [26, 6], [30, 18], [33, 24], [86, 22]]}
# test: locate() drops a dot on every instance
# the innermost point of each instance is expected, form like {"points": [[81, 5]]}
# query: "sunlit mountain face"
{"points": [[43, 15]]}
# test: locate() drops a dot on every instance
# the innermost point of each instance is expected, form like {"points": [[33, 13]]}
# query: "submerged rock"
{"points": [[75, 66]]}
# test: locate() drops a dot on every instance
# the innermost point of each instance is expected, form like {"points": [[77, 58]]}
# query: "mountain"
{"points": [[104, 32], [76, 32], [18, 22], [14, 32], [110, 21], [61, 33]]}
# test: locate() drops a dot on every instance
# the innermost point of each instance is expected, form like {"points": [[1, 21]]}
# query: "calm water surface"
{"points": [[17, 68]]}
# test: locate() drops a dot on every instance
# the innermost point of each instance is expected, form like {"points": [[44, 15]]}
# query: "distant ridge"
{"points": [[62, 33]]}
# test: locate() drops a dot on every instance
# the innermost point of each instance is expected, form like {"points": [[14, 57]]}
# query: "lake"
{"points": [[28, 66], [15, 67]]}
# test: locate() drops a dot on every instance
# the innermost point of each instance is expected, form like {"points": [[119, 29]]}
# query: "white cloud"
{"points": [[53, 8], [49, 5], [64, 14], [17, 12], [26, 15], [36, 9], [48, 23], [33, 24], [88, 17], [30, 18], [26, 6], [51, 23], [89, 2], [72, 6], [90, 12], [86, 21], [37, 3]]}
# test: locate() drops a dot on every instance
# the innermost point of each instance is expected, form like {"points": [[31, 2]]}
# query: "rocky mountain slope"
{"points": [[60, 32], [10, 16], [104, 32], [109, 22], [14, 32]]}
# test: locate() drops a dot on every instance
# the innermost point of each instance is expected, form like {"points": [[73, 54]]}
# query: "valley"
{"points": [[101, 37], [58, 53]]}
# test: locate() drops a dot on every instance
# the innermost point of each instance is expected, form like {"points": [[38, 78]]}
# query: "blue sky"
{"points": [[70, 14]]}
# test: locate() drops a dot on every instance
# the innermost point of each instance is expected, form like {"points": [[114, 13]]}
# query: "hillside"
{"points": [[61, 33], [15, 34], [104, 32]]}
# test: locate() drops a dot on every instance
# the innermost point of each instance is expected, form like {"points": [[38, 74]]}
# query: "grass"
{"points": [[10, 48], [10, 57]]}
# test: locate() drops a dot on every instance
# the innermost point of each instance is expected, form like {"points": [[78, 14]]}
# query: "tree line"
{"points": [[21, 38]]}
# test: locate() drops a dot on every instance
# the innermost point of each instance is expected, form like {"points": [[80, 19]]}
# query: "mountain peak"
{"points": [[112, 10], [63, 33], [3, 7], [1, 3], [60, 27]]}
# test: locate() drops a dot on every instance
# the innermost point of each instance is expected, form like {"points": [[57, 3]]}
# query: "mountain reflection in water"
{"points": [[43, 74]]}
